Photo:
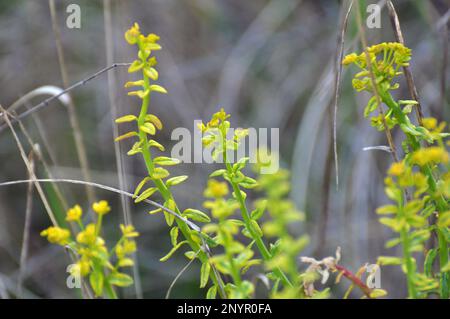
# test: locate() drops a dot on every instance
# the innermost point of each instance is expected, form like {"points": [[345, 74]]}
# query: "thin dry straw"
{"points": [[118, 154], [29, 168], [179, 275], [38, 153], [105, 187], [47, 101], [26, 232], [73, 118], [337, 84]]}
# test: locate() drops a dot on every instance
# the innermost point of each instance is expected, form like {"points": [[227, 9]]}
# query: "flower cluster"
{"points": [[418, 183], [385, 60], [93, 258], [147, 126]]}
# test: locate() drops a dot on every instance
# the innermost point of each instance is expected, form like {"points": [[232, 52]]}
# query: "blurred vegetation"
{"points": [[270, 63]]}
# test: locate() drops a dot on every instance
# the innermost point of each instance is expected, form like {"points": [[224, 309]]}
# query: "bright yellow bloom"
{"points": [[432, 154], [216, 189], [126, 248], [128, 231], [429, 123], [132, 34], [56, 235], [87, 236], [349, 59], [74, 214], [82, 268], [397, 169], [101, 207]]}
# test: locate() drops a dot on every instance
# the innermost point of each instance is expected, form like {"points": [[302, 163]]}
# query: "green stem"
{"points": [[109, 291], [412, 293], [234, 271], [247, 220], [441, 203], [165, 192]]}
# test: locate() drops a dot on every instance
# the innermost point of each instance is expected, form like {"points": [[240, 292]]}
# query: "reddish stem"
{"points": [[356, 281]]}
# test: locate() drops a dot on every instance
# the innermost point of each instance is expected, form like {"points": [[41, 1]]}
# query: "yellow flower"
{"points": [[349, 59], [432, 154], [126, 248], [74, 214], [56, 235], [429, 123], [397, 169], [128, 231], [132, 34], [87, 236], [82, 268], [101, 207], [216, 189], [129, 246], [201, 127]]}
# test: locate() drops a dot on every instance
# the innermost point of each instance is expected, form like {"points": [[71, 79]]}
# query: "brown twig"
{"points": [[406, 70]]}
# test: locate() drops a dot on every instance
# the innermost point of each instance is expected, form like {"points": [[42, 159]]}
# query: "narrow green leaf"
{"points": [[140, 185], [160, 173], [204, 274], [153, 143], [173, 250], [158, 88], [212, 292], [148, 128], [96, 279], [389, 261], [126, 118], [174, 235], [196, 215], [145, 194], [218, 172], [428, 263], [255, 226], [176, 180], [125, 136], [166, 161], [120, 279]]}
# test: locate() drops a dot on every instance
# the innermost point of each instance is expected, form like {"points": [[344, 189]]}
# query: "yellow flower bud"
{"points": [[74, 214], [397, 169], [128, 231], [101, 207], [56, 235], [87, 236], [349, 59], [132, 34]]}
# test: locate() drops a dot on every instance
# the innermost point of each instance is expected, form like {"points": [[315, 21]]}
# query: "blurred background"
{"points": [[270, 63]]}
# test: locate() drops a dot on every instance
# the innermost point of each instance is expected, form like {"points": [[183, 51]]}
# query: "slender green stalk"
{"points": [[247, 220], [412, 293], [441, 203], [234, 271], [109, 291], [165, 192]]}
